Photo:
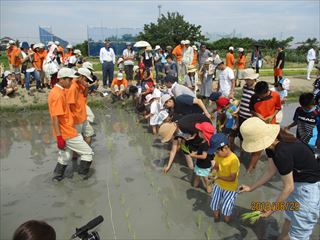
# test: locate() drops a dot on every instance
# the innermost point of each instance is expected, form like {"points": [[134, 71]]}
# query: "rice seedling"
{"points": [[209, 232], [184, 148], [129, 227], [127, 213], [122, 199], [253, 217], [134, 237]]}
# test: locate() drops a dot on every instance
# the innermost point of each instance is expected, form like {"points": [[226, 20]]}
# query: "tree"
{"points": [[83, 47], [170, 30], [128, 38], [306, 45]]}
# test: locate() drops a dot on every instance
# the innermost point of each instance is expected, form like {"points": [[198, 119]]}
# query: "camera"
{"points": [[83, 233]]}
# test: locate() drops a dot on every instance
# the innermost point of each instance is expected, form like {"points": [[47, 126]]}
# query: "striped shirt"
{"points": [[244, 111]]}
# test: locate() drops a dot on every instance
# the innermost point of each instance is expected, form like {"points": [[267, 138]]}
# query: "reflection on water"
{"points": [[145, 203]]}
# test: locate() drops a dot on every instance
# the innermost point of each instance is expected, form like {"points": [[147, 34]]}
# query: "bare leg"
{"points": [[207, 184], [285, 230], [253, 161], [196, 181], [216, 215], [231, 143], [189, 161], [227, 219], [88, 140]]}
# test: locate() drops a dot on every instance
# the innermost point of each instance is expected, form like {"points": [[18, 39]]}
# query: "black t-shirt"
{"points": [[297, 158], [280, 56], [188, 122], [184, 105], [204, 163]]}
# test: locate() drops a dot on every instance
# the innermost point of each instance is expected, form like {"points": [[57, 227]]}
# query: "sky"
{"points": [[20, 19]]}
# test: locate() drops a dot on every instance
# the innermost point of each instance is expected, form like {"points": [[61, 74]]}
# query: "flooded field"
{"points": [[127, 187]]}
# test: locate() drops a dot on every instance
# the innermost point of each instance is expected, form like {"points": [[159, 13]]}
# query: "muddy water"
{"points": [[127, 186]]}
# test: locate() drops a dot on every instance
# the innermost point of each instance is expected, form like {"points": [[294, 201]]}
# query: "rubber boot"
{"points": [[58, 172], [84, 168]]}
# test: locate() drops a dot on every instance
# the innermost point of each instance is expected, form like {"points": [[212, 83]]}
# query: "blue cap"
{"points": [[24, 45], [217, 141], [215, 96]]}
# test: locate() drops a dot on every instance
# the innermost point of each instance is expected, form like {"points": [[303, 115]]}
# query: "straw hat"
{"points": [[192, 68], [257, 135], [166, 131], [149, 48], [249, 73]]}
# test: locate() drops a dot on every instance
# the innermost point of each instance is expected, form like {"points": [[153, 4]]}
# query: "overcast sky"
{"points": [[69, 19]]}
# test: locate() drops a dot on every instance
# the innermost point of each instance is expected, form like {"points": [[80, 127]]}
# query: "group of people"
{"points": [[181, 119], [178, 106], [38, 63]]}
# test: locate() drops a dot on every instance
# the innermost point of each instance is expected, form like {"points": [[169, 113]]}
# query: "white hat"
{"points": [[85, 72], [250, 74], [12, 42], [57, 43], [50, 43], [231, 48], [8, 46], [217, 61], [36, 46], [41, 45], [69, 46], [66, 72], [157, 47], [7, 73], [258, 135], [88, 65], [195, 47], [149, 97], [209, 59], [77, 52], [187, 42], [183, 42], [240, 49], [135, 68], [120, 76], [165, 98], [285, 83]]}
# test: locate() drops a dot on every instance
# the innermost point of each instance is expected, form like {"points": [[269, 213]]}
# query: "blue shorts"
{"points": [[303, 220], [223, 200], [202, 172]]}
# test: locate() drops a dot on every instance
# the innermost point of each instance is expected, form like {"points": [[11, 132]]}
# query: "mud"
{"points": [[127, 186]]}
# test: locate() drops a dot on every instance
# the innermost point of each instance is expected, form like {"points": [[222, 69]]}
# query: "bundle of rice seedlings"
{"points": [[251, 216], [184, 148]]}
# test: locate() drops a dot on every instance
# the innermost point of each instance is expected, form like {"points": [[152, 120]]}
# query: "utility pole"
{"points": [[159, 6]]}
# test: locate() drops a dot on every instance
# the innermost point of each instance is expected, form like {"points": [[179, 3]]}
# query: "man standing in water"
{"points": [[68, 139]]}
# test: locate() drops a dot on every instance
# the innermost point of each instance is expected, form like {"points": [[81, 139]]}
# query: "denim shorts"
{"points": [[303, 220]]}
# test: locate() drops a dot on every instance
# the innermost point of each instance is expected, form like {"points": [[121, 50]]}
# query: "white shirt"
{"points": [[107, 55], [128, 54], [311, 55], [154, 111], [225, 81], [188, 56]]}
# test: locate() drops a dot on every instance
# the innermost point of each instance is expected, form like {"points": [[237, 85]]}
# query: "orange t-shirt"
{"points": [[266, 106], [59, 107], [230, 60], [178, 53], [77, 102], [8, 53], [241, 62], [15, 57], [66, 55], [123, 82], [37, 61], [195, 58]]}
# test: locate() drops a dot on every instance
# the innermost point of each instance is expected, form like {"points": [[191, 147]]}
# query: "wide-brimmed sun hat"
{"points": [[250, 74], [192, 68], [166, 131], [165, 98], [258, 135]]}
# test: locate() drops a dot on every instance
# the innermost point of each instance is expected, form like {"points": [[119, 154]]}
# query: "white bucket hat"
{"points": [[249, 73], [12, 42], [57, 43], [120, 76], [77, 51], [187, 42], [231, 48], [88, 65], [157, 47], [165, 98], [66, 72], [258, 135], [240, 49], [50, 43], [85, 72], [69, 46]]}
